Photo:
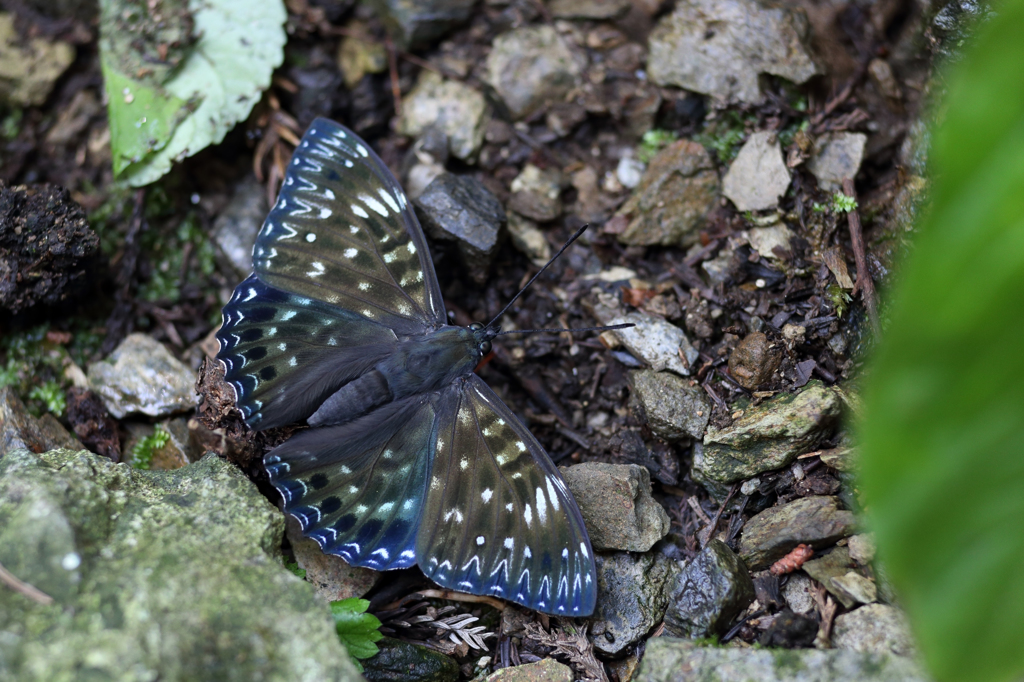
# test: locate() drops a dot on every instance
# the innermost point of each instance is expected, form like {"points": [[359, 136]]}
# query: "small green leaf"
{"points": [[294, 568], [357, 630]]}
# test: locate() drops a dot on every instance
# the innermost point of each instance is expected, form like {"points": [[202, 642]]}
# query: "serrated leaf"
{"points": [[943, 434], [357, 630], [174, 113]]}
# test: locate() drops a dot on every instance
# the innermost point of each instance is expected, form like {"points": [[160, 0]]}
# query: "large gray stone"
{"points": [[659, 343], [713, 588], [141, 376], [632, 595], [545, 670], [460, 208], [837, 156], [669, 206], [758, 176], [673, 408], [531, 67], [720, 47], [617, 507], [453, 107], [768, 436], [674, 660], [236, 227], [875, 629], [172, 575], [419, 23], [816, 521]]}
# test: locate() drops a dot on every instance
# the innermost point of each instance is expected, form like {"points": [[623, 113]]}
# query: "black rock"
{"points": [[790, 631], [710, 592], [418, 23], [400, 661]]}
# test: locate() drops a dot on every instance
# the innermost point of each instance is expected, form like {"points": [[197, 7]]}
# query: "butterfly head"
{"points": [[482, 336]]}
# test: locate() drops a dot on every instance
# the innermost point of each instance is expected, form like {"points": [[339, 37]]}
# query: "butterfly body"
{"points": [[410, 459]]}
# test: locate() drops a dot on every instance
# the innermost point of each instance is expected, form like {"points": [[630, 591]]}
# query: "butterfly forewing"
{"points": [[343, 232], [498, 518]]}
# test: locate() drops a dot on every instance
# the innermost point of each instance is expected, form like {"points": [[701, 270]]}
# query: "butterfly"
{"points": [[410, 458]]}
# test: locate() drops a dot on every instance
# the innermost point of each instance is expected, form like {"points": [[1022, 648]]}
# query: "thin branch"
{"points": [[864, 282], [452, 595], [33, 593], [705, 535]]}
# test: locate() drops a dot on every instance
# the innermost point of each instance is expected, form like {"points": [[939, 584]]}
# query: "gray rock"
{"points": [[671, 202], [530, 68], [20, 430], [719, 48], [400, 661], [29, 67], [837, 156], [632, 595], [460, 208], [529, 239], [589, 9], [419, 23], [862, 548], [330, 575], [874, 629], [657, 342], [617, 507], [754, 360], [236, 227], [537, 193], [835, 564], [563, 117], [758, 176], [630, 171], [672, 407], [816, 521], [673, 660], [798, 593], [448, 105], [141, 376], [722, 267], [712, 589], [770, 435], [156, 575], [765, 240], [546, 670], [856, 587]]}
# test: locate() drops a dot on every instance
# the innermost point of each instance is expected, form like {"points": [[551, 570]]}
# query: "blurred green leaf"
{"points": [[943, 434], [357, 630], [179, 77]]}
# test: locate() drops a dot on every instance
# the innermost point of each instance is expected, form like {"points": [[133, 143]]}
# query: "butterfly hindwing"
{"points": [[343, 232], [358, 489], [498, 518]]}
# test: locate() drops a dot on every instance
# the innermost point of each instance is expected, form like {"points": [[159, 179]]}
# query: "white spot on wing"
{"points": [[359, 211], [528, 516], [374, 205], [509, 543], [351, 252], [386, 196], [310, 237], [486, 495], [542, 507], [479, 539], [552, 495]]}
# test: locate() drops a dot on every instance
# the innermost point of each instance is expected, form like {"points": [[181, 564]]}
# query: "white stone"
{"points": [[758, 176]]}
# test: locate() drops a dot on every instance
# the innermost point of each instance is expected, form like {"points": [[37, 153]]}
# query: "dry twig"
{"points": [[864, 283], [827, 608], [573, 646], [21, 587]]}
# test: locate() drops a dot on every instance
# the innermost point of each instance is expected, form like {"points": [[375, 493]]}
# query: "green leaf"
{"points": [[943, 433], [220, 57], [357, 629]]}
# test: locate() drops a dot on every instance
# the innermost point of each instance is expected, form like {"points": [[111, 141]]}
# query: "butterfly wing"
{"points": [[498, 518], [341, 270]]}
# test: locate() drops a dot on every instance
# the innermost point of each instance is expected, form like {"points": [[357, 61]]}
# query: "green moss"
{"points": [[654, 141], [839, 298], [34, 366], [51, 395], [142, 453], [10, 125], [167, 250], [787, 662], [725, 135], [842, 203]]}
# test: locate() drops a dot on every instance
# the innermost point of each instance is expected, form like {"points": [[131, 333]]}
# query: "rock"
{"points": [[358, 57], [400, 661], [835, 564], [545, 670], [754, 360], [632, 595], [674, 660], [798, 593], [874, 629], [814, 520], [856, 587], [92, 423], [20, 430], [157, 575], [790, 631], [765, 240], [420, 23], [882, 76], [722, 267], [46, 247], [563, 117], [528, 238], [330, 575], [235, 229], [840, 459], [29, 67], [537, 193], [720, 48], [837, 156], [531, 67], [617, 507], [428, 157], [659, 343], [671, 202], [770, 435], [758, 176], [630, 171], [451, 106], [671, 406], [141, 376], [862, 548], [460, 208], [713, 588], [589, 9]]}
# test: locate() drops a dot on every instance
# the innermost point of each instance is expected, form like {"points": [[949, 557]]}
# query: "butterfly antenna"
{"points": [[539, 273], [609, 328]]}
